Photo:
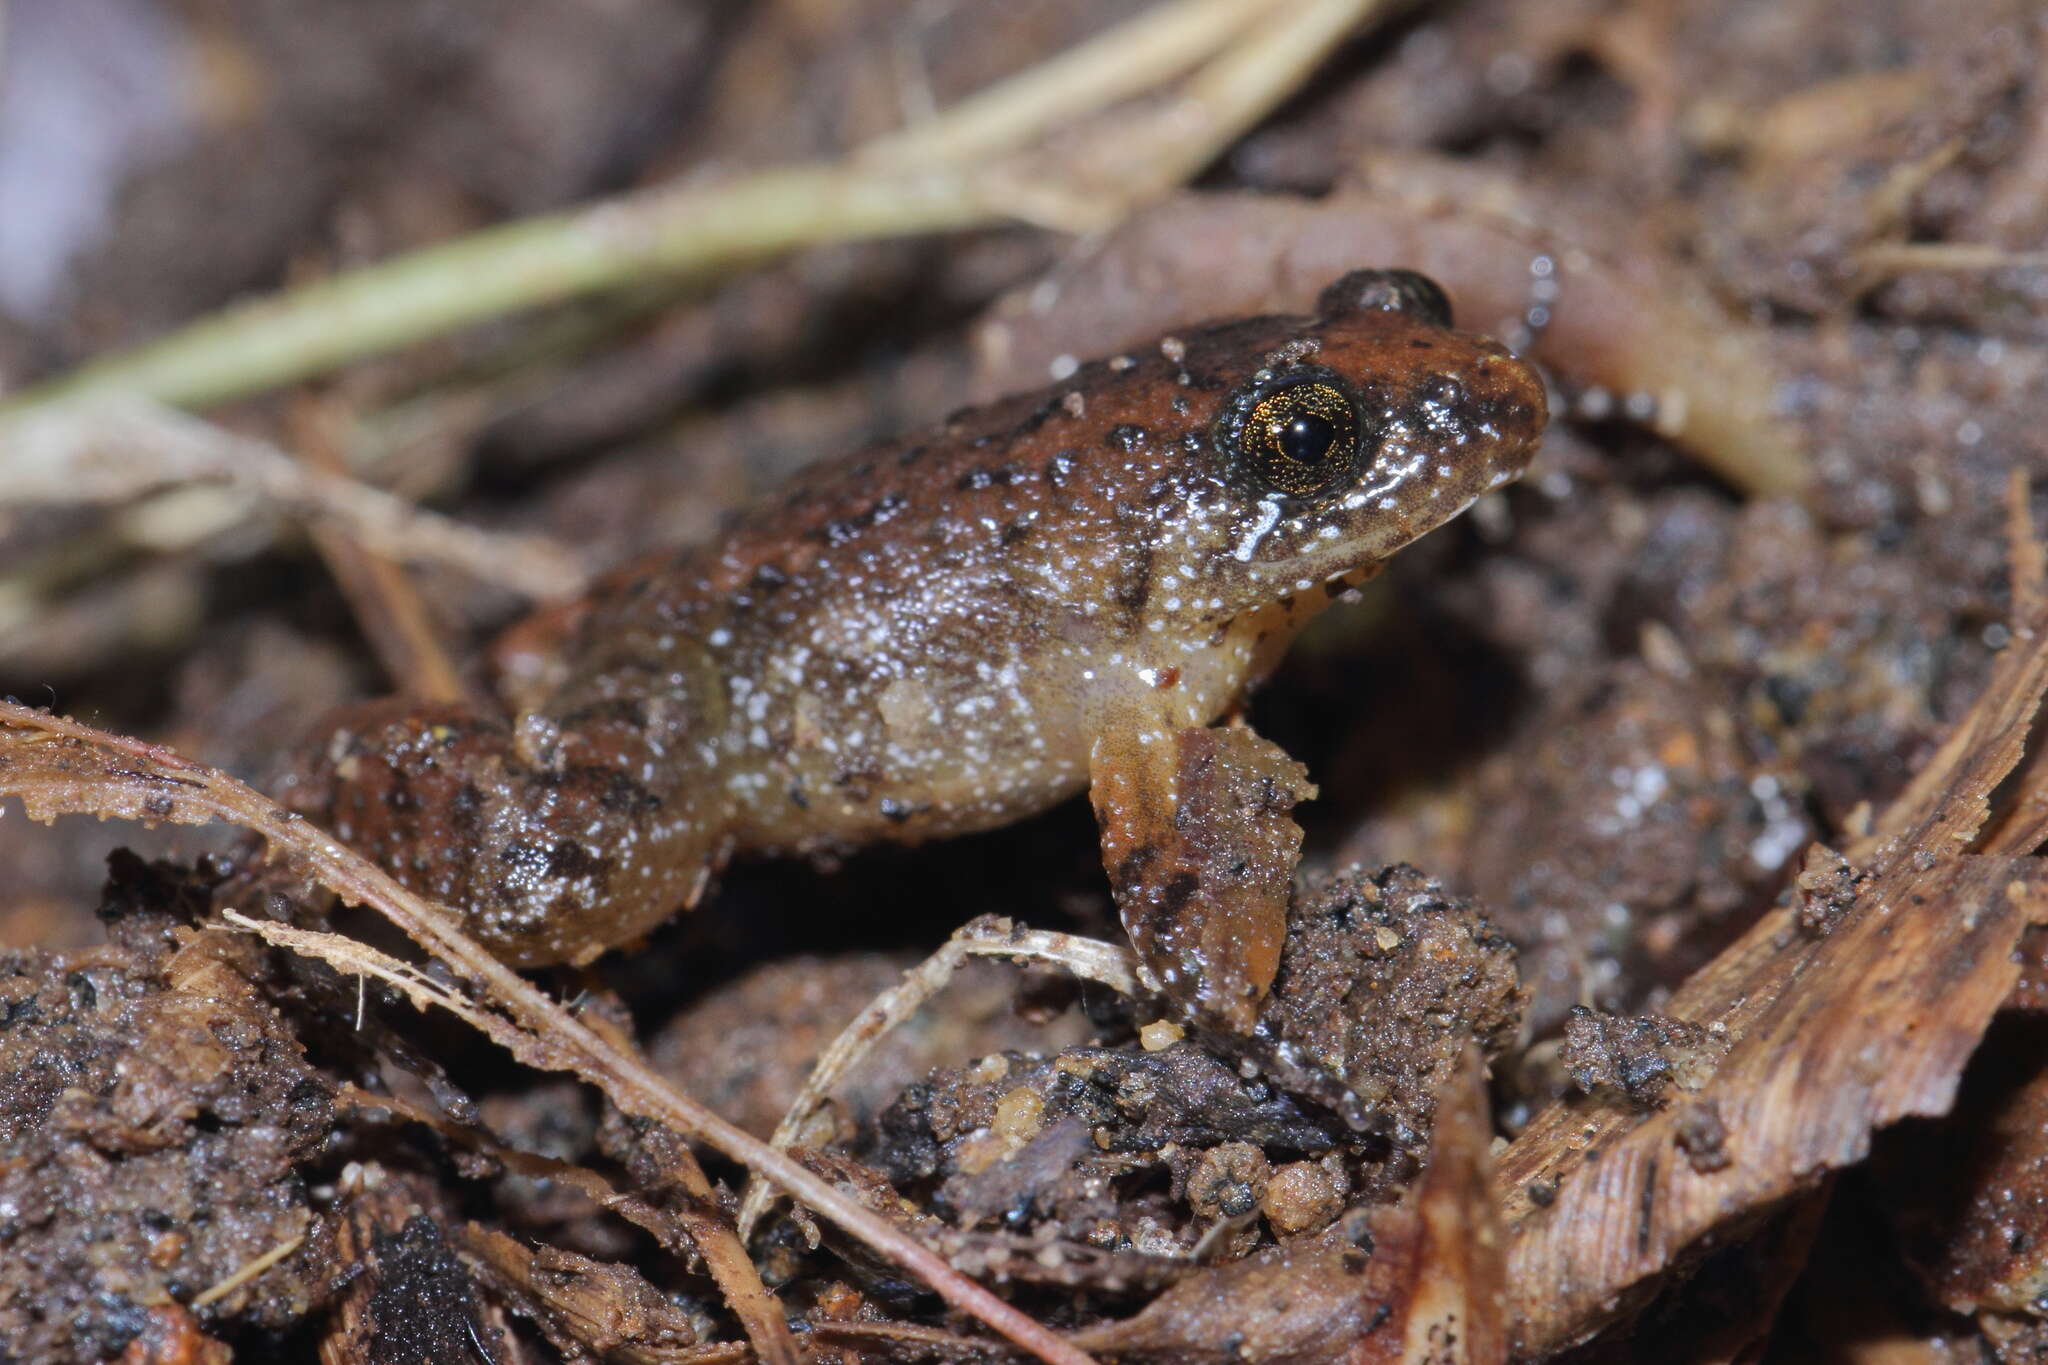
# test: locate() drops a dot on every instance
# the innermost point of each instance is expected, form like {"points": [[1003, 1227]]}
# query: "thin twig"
{"points": [[1224, 100], [988, 936], [381, 597], [248, 1270], [1091, 184], [725, 1255], [1898, 258], [121, 450], [1117, 64]]}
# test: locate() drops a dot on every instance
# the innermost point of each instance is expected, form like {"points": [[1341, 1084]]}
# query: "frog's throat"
{"points": [[1274, 626]]}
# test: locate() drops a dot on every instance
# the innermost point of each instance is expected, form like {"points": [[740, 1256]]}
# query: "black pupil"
{"points": [[1306, 438]]}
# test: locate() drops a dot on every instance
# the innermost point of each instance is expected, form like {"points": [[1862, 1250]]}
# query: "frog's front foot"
{"points": [[1201, 850]]}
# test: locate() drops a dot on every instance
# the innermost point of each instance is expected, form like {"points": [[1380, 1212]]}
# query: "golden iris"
{"points": [[1301, 437]]}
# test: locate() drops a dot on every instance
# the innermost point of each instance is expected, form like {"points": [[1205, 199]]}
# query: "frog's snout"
{"points": [[1460, 433], [1517, 414]]}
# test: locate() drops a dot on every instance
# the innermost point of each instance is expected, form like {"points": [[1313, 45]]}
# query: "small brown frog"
{"points": [[1059, 591]]}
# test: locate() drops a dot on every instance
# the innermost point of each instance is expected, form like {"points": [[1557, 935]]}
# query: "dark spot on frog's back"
{"points": [[981, 476], [1178, 891], [1037, 418], [1128, 437], [465, 815], [842, 529], [621, 793], [1133, 583], [569, 858], [1133, 864], [523, 860]]}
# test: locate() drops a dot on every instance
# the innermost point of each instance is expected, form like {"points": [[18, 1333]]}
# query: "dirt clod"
{"points": [[1638, 1056], [155, 1115]]}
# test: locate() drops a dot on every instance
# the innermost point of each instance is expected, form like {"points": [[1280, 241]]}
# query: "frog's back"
{"points": [[1051, 487]]}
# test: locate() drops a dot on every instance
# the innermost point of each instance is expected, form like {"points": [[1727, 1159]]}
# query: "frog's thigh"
{"points": [[1201, 851]]}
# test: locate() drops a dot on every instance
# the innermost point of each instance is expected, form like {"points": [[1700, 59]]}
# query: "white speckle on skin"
{"points": [[1269, 517]]}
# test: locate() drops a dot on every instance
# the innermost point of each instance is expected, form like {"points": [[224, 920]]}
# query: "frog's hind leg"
{"points": [[553, 843], [1201, 852]]}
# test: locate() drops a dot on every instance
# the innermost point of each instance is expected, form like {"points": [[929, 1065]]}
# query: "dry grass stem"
{"points": [[203, 479], [687, 231]]}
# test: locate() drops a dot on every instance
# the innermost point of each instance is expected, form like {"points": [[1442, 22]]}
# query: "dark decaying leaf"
{"points": [[1831, 1038]]}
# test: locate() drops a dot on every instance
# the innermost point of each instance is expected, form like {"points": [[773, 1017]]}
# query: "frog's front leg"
{"points": [[1201, 852]]}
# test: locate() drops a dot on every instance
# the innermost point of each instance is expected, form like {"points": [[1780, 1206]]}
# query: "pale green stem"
{"points": [[260, 345]]}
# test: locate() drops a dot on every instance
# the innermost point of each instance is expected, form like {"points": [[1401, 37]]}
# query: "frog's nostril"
{"points": [[1444, 391]]}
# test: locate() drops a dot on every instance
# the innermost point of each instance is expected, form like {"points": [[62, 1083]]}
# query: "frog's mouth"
{"points": [[1345, 541]]}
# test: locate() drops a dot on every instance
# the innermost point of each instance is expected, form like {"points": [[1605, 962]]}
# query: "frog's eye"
{"points": [[1295, 434]]}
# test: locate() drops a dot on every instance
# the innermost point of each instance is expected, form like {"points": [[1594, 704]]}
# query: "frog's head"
{"points": [[1348, 436]]}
